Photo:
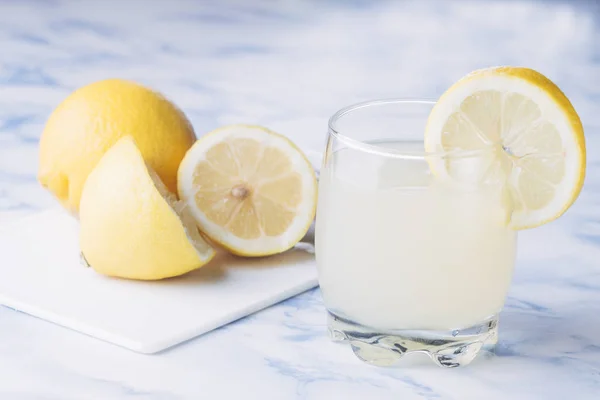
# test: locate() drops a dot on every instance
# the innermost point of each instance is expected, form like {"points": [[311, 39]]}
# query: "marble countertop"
{"points": [[289, 65]]}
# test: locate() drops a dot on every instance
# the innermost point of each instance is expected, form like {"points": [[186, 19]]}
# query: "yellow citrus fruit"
{"points": [[131, 225], [90, 120], [250, 189], [529, 133]]}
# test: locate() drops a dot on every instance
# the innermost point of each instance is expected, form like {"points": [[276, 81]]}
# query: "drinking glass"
{"points": [[413, 248]]}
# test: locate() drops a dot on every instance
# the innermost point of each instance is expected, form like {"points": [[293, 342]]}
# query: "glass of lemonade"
{"points": [[410, 258]]}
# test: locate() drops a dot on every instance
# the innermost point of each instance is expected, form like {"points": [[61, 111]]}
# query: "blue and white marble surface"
{"points": [[289, 65]]}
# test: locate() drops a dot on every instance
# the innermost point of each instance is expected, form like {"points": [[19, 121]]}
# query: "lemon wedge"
{"points": [[250, 190], [527, 129], [131, 226]]}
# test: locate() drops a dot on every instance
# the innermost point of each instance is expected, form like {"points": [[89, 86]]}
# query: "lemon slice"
{"points": [[251, 190], [532, 133], [131, 225]]}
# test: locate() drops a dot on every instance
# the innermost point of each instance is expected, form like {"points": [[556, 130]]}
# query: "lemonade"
{"points": [[419, 205], [399, 248]]}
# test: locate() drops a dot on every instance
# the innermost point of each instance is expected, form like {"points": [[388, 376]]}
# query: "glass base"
{"points": [[446, 348]]}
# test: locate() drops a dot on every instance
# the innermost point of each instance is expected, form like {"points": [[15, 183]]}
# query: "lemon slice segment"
{"points": [[528, 132], [131, 226], [250, 189]]}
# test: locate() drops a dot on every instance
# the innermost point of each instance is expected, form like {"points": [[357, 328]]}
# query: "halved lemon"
{"points": [[250, 189], [533, 134]]}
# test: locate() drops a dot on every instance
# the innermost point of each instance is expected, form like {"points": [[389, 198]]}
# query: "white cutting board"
{"points": [[41, 274]]}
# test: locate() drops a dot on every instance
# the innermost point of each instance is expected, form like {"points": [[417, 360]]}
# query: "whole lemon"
{"points": [[93, 118]]}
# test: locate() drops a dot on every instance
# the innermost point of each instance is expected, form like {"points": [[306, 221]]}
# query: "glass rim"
{"points": [[386, 151]]}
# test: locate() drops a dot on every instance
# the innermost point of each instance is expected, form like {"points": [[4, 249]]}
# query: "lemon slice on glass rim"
{"points": [[250, 190], [533, 135]]}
